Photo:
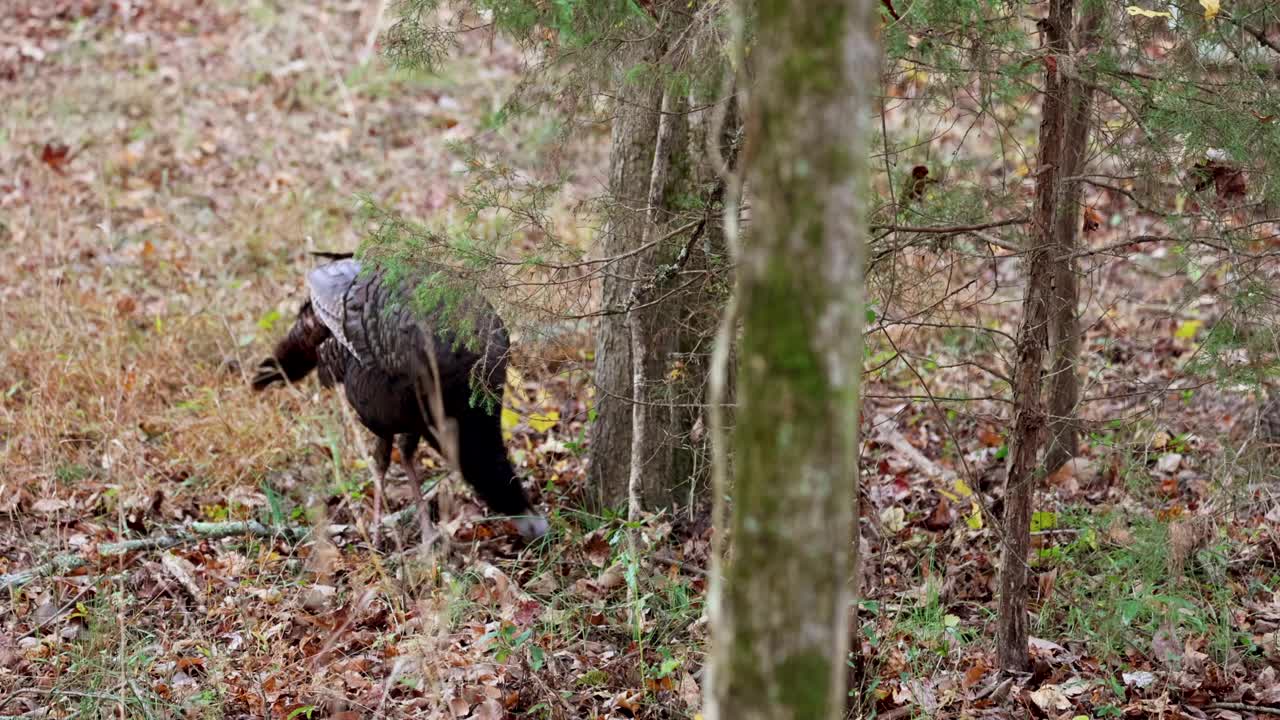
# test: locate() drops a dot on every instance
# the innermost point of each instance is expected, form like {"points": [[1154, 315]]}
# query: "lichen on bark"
{"points": [[781, 604]]}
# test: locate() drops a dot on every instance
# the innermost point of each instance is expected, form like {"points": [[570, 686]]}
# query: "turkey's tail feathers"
{"points": [[296, 354]]}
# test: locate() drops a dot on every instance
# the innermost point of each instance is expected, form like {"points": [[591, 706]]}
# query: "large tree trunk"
{"points": [[642, 305], [781, 607], [635, 132], [1033, 337], [651, 303], [1064, 325]]}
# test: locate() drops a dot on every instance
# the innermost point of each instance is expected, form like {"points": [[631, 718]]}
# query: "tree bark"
{"points": [[635, 133], [1064, 325], [780, 610], [626, 391], [1024, 470]]}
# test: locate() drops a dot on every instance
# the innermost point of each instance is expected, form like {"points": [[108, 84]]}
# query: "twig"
{"points": [[372, 38], [1257, 34], [1246, 707], [639, 350], [192, 533], [951, 229], [680, 565]]}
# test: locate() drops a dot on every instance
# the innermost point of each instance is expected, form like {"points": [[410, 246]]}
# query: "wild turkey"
{"points": [[359, 330]]}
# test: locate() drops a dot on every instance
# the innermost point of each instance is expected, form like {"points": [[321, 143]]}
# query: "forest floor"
{"points": [[165, 168]]}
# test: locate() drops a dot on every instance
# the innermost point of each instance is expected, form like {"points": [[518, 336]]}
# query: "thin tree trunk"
{"points": [[634, 222], [644, 440], [635, 134], [1064, 384], [781, 607], [1033, 337]]}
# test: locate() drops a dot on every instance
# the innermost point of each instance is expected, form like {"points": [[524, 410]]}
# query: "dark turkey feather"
{"points": [[297, 354], [369, 336]]}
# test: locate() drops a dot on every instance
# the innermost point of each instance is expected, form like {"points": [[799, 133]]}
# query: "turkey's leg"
{"points": [[408, 446], [381, 461]]}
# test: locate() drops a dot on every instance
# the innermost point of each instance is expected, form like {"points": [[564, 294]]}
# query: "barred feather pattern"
{"points": [[365, 334]]}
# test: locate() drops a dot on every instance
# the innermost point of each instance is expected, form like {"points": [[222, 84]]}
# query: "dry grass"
{"points": [[209, 146]]}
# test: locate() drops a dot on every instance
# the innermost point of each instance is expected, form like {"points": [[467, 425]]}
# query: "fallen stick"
{"points": [[191, 533]]}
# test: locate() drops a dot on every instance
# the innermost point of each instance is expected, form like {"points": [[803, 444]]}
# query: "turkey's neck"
{"points": [[487, 469]]}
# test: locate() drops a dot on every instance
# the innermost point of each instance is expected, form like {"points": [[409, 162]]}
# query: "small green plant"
{"points": [[507, 640], [664, 669], [68, 474]]}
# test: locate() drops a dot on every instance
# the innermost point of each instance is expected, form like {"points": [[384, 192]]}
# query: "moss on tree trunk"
{"points": [[781, 607]]}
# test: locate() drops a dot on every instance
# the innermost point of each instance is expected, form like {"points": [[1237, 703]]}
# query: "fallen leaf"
{"points": [[941, 517], [510, 419], [489, 710], [629, 701], [989, 437], [1169, 462], [50, 505], [894, 519], [542, 422], [610, 579], [1187, 329], [184, 572], [1050, 697], [974, 674], [597, 548], [1139, 679], [1041, 521], [55, 156], [1092, 220], [1045, 646], [690, 693]]}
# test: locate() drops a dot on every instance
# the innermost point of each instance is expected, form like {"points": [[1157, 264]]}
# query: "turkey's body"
{"points": [[391, 359]]}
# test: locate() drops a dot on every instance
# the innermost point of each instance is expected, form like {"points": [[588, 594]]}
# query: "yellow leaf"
{"points": [[1135, 10], [1188, 330], [515, 387], [510, 419], [1211, 8], [1041, 520], [543, 422], [961, 490], [974, 520], [913, 74]]}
